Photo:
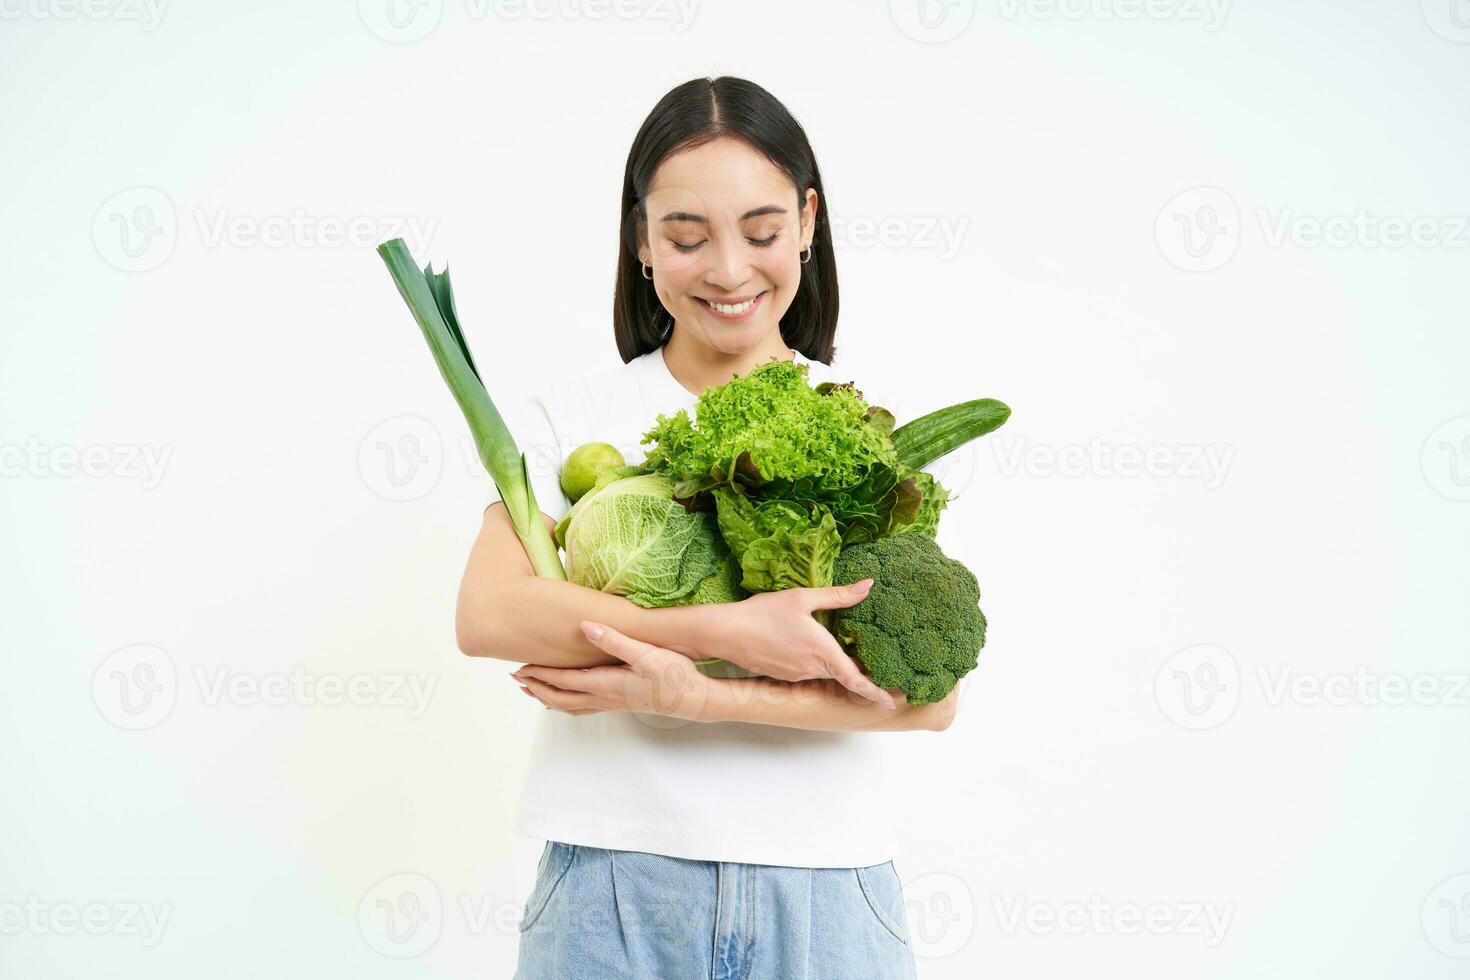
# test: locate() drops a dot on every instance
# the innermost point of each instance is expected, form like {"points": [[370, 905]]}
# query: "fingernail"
{"points": [[594, 631], [865, 584], [889, 703]]}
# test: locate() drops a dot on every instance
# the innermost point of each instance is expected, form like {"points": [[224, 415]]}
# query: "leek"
{"points": [[431, 300]]}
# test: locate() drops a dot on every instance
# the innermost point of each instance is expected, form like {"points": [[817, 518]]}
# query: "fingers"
{"points": [[840, 596], [847, 673], [620, 645], [555, 697], [566, 678]]}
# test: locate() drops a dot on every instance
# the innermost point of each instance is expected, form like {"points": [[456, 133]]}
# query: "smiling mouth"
{"points": [[735, 311]]}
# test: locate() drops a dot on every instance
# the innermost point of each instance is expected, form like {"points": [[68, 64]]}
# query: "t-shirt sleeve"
{"points": [[530, 424]]}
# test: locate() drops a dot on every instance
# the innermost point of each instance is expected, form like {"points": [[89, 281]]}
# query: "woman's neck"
{"points": [[698, 366]]}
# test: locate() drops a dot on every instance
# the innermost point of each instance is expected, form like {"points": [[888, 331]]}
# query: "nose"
{"points": [[729, 262]]}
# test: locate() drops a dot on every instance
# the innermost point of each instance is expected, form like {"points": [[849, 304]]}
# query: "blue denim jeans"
{"points": [[597, 914]]}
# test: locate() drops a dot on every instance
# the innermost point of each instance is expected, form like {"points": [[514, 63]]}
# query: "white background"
{"points": [[1130, 191]]}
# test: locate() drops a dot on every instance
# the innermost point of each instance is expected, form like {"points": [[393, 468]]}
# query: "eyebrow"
{"points": [[752, 213]]}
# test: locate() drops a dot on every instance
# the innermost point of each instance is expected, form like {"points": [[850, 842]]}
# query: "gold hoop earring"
{"points": [[808, 252], [647, 271]]}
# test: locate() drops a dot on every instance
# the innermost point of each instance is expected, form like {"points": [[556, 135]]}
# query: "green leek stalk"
{"points": [[431, 301]]}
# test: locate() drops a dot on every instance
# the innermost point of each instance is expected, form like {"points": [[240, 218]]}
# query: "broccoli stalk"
{"points": [[920, 627]]}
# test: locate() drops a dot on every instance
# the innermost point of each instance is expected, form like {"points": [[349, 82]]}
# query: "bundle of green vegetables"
{"points": [[772, 484]]}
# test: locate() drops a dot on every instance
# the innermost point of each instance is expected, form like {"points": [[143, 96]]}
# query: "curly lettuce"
{"points": [[794, 473]]}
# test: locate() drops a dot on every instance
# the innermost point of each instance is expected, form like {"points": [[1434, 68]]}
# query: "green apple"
{"points": [[583, 466]]}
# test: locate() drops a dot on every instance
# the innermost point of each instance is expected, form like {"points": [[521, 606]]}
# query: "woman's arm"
{"points": [[506, 611], [653, 680], [822, 706]]}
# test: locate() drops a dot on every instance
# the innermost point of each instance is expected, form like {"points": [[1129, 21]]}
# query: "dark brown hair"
{"points": [[691, 115]]}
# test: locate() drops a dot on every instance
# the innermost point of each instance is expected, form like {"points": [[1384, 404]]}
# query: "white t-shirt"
{"points": [[712, 791]]}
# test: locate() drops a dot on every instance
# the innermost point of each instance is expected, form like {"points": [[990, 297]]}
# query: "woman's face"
{"points": [[724, 227]]}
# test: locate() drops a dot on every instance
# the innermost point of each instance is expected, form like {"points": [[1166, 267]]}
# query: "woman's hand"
{"points": [[774, 634], [652, 680], [662, 682]]}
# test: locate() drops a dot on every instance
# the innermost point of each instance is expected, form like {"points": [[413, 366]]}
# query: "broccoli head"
{"points": [[920, 627]]}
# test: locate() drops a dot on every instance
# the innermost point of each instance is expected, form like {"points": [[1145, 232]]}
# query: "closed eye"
{"points": [[760, 242]]}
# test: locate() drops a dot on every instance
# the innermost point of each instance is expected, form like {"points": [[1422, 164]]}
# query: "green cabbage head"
{"points": [[628, 536]]}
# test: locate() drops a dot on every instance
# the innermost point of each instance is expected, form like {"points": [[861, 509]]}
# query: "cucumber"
{"points": [[929, 437]]}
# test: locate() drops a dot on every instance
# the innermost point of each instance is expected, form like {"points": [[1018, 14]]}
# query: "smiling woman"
{"points": [[753, 804]]}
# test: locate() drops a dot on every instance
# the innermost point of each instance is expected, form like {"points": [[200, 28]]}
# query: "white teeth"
{"points": [[735, 310]]}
